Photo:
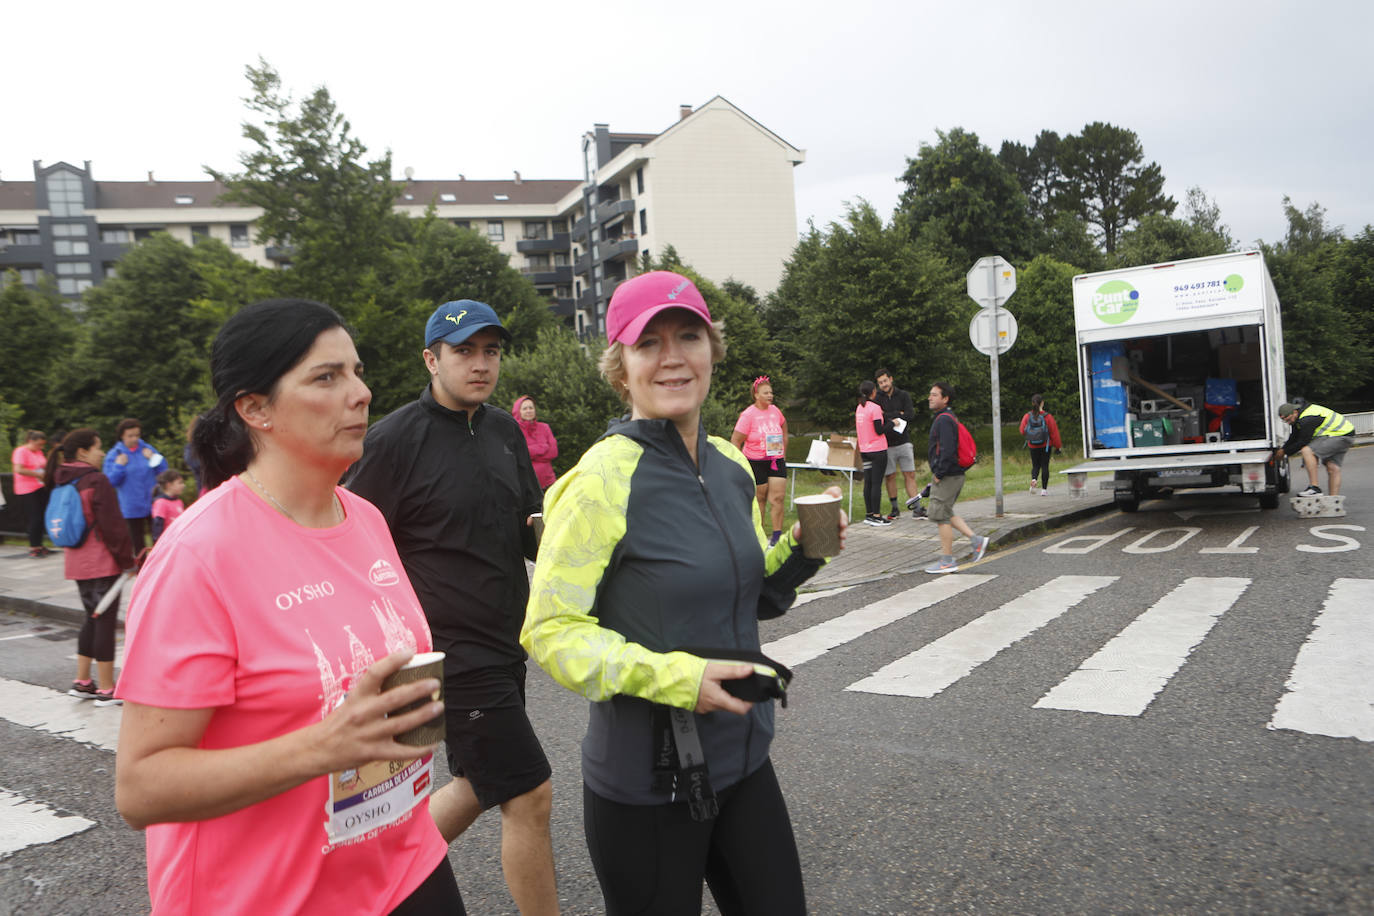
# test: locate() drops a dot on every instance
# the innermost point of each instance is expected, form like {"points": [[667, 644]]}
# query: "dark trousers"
{"points": [[138, 531], [875, 468], [651, 859], [34, 505], [436, 894], [97, 637], [1040, 466]]}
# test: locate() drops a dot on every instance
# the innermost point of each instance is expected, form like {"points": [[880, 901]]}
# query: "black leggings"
{"points": [[138, 529], [875, 468], [1040, 466], [34, 503], [438, 894], [651, 859], [97, 637]]}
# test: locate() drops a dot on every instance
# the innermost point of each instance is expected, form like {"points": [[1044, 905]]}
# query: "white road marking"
{"points": [[815, 641], [933, 667], [827, 593], [24, 823], [20, 636], [1126, 674], [61, 715], [1330, 690]]}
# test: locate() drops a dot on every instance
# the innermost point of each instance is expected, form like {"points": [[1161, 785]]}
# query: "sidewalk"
{"points": [[908, 544]]}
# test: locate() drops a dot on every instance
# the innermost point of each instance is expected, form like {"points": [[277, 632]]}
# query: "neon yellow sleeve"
{"points": [[584, 520], [774, 556]]}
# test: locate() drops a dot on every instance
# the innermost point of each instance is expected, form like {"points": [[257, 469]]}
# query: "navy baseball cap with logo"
{"points": [[454, 322]]}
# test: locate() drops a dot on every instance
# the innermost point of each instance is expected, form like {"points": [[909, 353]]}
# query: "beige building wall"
{"points": [[719, 188]]}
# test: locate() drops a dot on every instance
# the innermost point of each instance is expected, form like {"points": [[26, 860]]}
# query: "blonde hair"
{"points": [[612, 361]]}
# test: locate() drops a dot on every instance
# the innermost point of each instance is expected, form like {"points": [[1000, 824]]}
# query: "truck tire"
{"points": [[1127, 503], [1127, 500], [1269, 500]]}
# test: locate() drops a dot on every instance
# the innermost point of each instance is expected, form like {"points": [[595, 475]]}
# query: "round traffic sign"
{"points": [[985, 336]]}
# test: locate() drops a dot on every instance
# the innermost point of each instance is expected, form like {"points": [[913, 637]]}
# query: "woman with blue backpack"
{"points": [[1042, 436], [83, 518]]}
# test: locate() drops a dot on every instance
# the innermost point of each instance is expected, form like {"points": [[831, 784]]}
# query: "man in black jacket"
{"points": [[896, 404], [949, 480], [452, 475]]}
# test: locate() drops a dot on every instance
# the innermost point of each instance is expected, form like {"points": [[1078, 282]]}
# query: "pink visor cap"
{"points": [[636, 301]]}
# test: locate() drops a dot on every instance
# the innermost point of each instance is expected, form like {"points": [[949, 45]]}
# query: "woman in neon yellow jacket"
{"points": [[654, 560]]}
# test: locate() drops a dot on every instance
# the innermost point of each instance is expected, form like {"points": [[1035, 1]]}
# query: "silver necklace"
{"points": [[338, 510]]}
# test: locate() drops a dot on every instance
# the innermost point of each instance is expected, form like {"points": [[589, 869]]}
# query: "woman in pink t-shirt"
{"points": [[761, 433], [29, 464], [868, 424], [256, 747]]}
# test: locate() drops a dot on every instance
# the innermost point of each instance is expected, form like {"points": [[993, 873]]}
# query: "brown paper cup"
{"points": [[423, 665], [538, 525], [820, 525]]}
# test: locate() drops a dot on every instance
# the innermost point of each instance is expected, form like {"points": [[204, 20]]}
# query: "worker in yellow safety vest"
{"points": [[1319, 433]]}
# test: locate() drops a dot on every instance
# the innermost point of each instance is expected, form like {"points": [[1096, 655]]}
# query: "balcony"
{"points": [[561, 241], [547, 276], [621, 249], [280, 252], [583, 264], [564, 306], [613, 209], [587, 301]]}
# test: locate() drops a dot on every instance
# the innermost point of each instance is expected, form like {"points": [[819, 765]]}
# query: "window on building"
{"points": [[560, 259], [24, 237], [643, 222], [114, 236], [73, 268], [199, 232], [536, 230], [184, 200], [69, 230], [68, 286], [537, 261], [65, 195], [448, 198], [639, 180], [560, 225], [28, 275], [501, 196], [463, 223], [110, 267], [141, 234], [70, 247], [238, 235], [496, 231]]}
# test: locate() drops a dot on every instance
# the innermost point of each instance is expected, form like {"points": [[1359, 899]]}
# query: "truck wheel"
{"points": [[1127, 503], [1269, 500]]}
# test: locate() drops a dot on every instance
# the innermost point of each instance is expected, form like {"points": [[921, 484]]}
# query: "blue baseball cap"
{"points": [[454, 322]]}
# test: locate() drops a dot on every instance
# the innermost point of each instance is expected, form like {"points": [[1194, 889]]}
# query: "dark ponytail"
{"points": [[1036, 401], [254, 349], [866, 389], [73, 442]]}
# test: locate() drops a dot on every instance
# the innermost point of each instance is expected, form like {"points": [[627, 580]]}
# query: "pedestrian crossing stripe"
{"points": [[1127, 673], [937, 665], [67, 717], [24, 823], [1331, 688]]}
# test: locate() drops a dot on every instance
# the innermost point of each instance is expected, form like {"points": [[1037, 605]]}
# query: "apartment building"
{"points": [[716, 185]]}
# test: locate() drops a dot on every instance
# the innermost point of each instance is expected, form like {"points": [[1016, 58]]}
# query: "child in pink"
{"points": [[167, 504], [267, 623]]}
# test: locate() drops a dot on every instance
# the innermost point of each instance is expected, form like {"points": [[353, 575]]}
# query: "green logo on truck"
{"points": [[1115, 301], [1234, 283]]}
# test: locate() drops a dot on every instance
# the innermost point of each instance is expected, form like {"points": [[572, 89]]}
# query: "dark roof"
{"points": [[143, 195]]}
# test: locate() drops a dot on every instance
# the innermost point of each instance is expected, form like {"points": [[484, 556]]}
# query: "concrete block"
{"points": [[1322, 506]]}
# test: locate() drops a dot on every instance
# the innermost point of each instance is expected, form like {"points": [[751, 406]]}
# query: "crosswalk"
{"points": [[1329, 691]]}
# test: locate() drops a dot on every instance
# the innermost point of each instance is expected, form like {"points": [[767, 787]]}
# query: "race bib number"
{"points": [[365, 801], [772, 445]]}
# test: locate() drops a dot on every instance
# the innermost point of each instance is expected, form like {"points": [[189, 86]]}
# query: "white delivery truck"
{"points": [[1180, 378]]}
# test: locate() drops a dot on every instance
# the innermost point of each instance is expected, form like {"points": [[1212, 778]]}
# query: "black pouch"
{"points": [[768, 682]]}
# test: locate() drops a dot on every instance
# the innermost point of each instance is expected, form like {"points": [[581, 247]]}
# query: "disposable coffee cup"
{"points": [[537, 521], [423, 665], [820, 525]]}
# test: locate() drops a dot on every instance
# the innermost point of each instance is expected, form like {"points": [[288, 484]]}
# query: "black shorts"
{"points": [[489, 739], [763, 469]]}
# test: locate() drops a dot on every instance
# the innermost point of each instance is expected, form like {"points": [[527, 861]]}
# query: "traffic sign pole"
{"points": [[996, 398], [991, 282]]}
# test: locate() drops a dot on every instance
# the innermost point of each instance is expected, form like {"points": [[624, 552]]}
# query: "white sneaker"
{"points": [[1045, 492]]}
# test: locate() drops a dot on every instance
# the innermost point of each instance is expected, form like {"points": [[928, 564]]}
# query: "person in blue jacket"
{"points": [[132, 466]]}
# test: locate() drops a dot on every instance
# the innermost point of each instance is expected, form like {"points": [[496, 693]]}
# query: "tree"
{"points": [[962, 199], [318, 197], [1105, 182], [35, 346], [863, 295], [1038, 173], [1044, 359], [145, 350], [1158, 238]]}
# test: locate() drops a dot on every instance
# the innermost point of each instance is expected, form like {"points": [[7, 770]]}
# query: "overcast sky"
{"points": [[1250, 101]]}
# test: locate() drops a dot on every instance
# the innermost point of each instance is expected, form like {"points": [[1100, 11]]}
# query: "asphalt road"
{"points": [[1108, 719]]}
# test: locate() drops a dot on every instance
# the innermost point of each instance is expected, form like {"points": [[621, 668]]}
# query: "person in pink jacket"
{"points": [[542, 445], [97, 562]]}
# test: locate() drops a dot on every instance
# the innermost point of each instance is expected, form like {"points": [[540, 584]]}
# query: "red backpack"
{"points": [[968, 449]]}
